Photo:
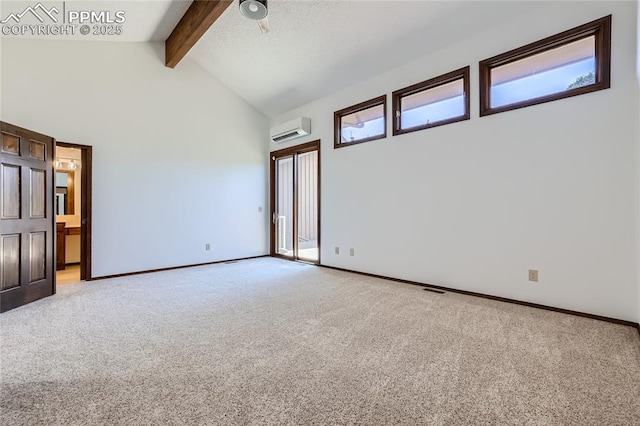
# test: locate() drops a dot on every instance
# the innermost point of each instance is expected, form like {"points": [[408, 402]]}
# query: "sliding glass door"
{"points": [[307, 180], [283, 215], [295, 203]]}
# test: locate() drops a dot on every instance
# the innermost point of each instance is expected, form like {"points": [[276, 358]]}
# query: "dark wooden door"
{"points": [[27, 217]]}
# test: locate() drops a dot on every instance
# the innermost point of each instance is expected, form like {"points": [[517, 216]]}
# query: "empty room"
{"points": [[312, 212]]}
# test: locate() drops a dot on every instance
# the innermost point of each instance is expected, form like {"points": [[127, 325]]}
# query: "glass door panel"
{"points": [[308, 206], [283, 216]]}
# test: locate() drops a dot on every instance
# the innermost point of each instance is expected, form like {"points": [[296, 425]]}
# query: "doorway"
{"points": [[295, 203], [73, 198]]}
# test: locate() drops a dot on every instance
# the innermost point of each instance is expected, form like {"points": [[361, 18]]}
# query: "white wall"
{"points": [[178, 159], [476, 204], [638, 148]]}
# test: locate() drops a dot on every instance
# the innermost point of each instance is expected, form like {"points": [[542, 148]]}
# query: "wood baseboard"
{"points": [[498, 298], [128, 274]]}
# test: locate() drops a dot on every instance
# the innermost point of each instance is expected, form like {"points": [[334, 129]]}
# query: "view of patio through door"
{"points": [[295, 199]]}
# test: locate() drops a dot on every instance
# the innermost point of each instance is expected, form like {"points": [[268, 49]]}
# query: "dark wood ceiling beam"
{"points": [[195, 22]]}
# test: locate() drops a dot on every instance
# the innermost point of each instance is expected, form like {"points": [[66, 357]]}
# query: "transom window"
{"points": [[364, 122], [435, 102], [571, 63]]}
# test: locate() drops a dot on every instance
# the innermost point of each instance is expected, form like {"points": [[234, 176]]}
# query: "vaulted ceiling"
{"points": [[316, 47], [145, 20]]}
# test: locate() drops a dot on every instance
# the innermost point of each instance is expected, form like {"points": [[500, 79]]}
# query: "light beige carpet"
{"points": [[267, 341]]}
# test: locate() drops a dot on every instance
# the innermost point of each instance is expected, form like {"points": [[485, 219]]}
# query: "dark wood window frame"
{"points": [[337, 118], [462, 73], [600, 28]]}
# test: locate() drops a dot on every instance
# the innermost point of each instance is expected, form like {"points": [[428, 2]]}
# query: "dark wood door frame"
{"points": [[292, 151], [86, 197]]}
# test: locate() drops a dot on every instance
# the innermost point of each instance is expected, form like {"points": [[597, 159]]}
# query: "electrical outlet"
{"points": [[337, 250], [533, 275], [260, 209], [207, 247], [352, 252]]}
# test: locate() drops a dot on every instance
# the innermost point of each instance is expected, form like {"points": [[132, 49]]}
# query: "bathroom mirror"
{"points": [[65, 192]]}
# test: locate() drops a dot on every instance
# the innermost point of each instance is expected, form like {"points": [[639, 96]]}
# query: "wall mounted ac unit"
{"points": [[291, 129]]}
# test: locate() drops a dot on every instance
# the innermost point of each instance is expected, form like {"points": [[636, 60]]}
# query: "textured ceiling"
{"points": [[145, 20], [316, 47]]}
